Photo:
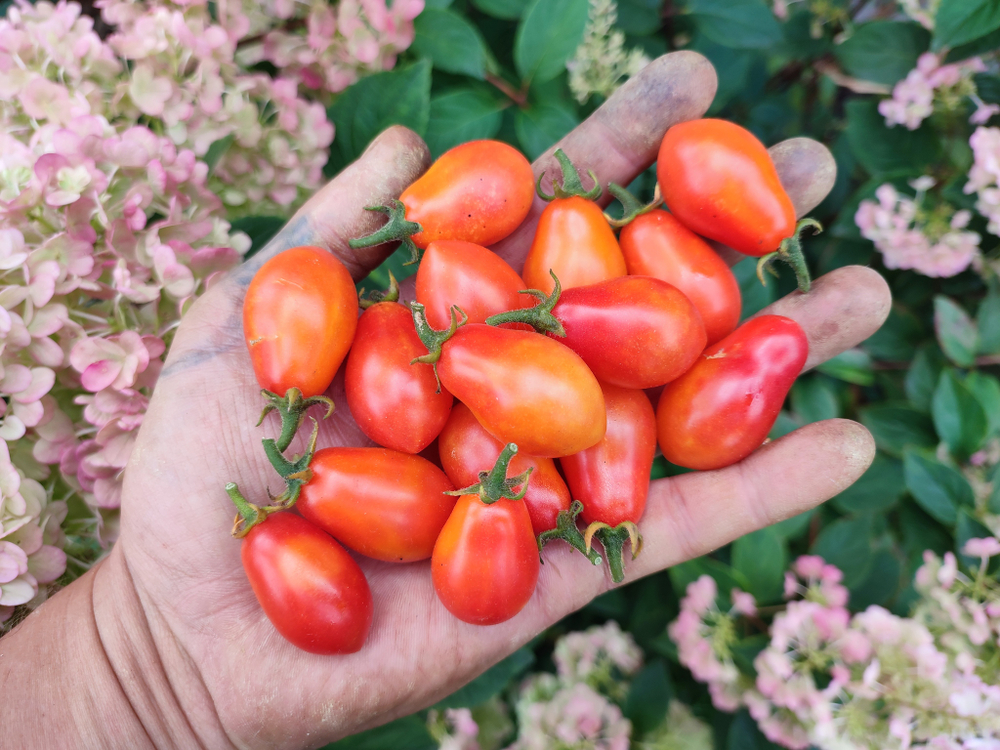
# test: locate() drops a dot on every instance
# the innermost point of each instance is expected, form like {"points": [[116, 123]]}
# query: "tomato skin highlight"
{"points": [[478, 280], [525, 389], [309, 587], [720, 182], [656, 244], [384, 504], [611, 479], [396, 404], [574, 240], [466, 448], [479, 192], [721, 410], [485, 563], [633, 331], [299, 318]]}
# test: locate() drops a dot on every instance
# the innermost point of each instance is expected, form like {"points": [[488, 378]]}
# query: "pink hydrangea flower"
{"points": [[913, 98]]}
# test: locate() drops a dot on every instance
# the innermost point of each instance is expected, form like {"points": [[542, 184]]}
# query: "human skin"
{"points": [[163, 644]]}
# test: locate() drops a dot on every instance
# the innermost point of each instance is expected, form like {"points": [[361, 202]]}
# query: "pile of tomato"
{"points": [[510, 410]]}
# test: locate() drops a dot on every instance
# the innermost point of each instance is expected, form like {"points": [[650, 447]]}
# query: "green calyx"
{"points": [[631, 206], [433, 339], [292, 409], [790, 251], [494, 485], [375, 296], [540, 316], [571, 184], [567, 530], [396, 229], [613, 539]]}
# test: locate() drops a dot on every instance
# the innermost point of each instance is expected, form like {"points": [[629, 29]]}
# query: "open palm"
{"points": [[174, 584]]}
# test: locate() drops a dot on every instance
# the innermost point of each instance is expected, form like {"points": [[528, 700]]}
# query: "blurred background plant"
{"points": [[146, 146]]}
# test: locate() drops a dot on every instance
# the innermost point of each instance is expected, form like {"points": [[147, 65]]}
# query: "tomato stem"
{"points": [[248, 515], [292, 409], [571, 184], [397, 228], [631, 206], [790, 251], [613, 539], [566, 529], [295, 472], [432, 338], [375, 296], [540, 316], [494, 485]]}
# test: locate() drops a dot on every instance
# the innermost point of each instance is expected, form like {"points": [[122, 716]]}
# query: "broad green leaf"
{"points": [[969, 527], [745, 735], [740, 24], [923, 375], [956, 331], [897, 339], [762, 557], [852, 366], [726, 578], [462, 115], [784, 424], [731, 65], [653, 607], [260, 230], [410, 732], [963, 21], [988, 322], [881, 584], [792, 527], [984, 44], [648, 698], [541, 125], [437, 3], [958, 416], [756, 296], [814, 399], [508, 10], [490, 682], [881, 150], [745, 650], [217, 150], [846, 543], [937, 488], [877, 490], [547, 37], [986, 389], [921, 532], [882, 51], [639, 17], [896, 427], [451, 42]]}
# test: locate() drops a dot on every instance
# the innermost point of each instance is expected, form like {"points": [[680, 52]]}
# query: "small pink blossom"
{"points": [[984, 548]]}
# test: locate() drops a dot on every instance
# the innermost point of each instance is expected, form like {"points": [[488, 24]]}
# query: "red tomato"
{"points": [[381, 503], [633, 331], [721, 410], [485, 562], [299, 317], [468, 275], [611, 479], [466, 449], [720, 182], [656, 244], [395, 403], [525, 389], [575, 241], [309, 587], [479, 192]]}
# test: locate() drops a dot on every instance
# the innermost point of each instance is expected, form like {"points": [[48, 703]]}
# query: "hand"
{"points": [[183, 632]]}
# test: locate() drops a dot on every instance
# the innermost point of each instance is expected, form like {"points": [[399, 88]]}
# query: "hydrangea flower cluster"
{"points": [[874, 680], [921, 11], [601, 62], [932, 85], [933, 242], [984, 177]]}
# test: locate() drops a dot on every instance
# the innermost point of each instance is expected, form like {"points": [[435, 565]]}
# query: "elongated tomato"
{"points": [[309, 587], [299, 318], [381, 503], [721, 410], [479, 192], [478, 280], [525, 389], [633, 331], [396, 404], [611, 479], [656, 244], [466, 448]]}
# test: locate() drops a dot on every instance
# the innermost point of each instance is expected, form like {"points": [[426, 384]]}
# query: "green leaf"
{"points": [[988, 323], [937, 488], [956, 331], [969, 527], [882, 583], [397, 97], [963, 21], [959, 418], [508, 10], [740, 24], [923, 375], [547, 37], [260, 230], [986, 389], [731, 65], [726, 578], [462, 115], [648, 698], [880, 149], [883, 51], [490, 682], [792, 527], [217, 150], [896, 428], [541, 125], [409, 732], [846, 543], [451, 42], [756, 296], [744, 735], [852, 366], [877, 490], [898, 337], [762, 557], [814, 399], [784, 424], [639, 17], [437, 3]]}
